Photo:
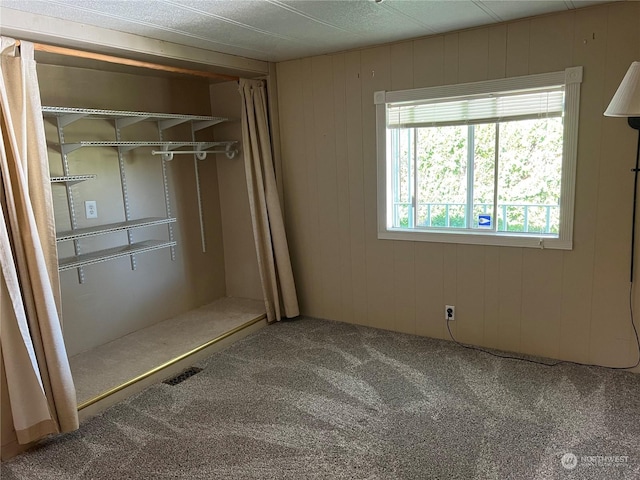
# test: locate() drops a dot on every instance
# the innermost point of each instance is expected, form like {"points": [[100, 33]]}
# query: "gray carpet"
{"points": [[316, 399]]}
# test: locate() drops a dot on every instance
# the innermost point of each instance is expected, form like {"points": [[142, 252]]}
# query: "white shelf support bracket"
{"points": [[70, 202], [165, 185], [128, 148], [165, 124], [125, 192], [67, 148], [197, 126], [68, 119], [128, 121]]}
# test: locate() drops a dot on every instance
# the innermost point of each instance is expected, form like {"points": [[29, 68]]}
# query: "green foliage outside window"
{"points": [[432, 168]]}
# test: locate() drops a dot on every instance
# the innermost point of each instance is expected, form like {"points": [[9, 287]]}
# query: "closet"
{"points": [[151, 220], [65, 116]]}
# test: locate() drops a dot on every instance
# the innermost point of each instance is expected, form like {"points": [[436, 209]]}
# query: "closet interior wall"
{"points": [[115, 300], [241, 264]]}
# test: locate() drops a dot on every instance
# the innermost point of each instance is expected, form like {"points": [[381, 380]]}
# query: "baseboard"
{"points": [[13, 448]]}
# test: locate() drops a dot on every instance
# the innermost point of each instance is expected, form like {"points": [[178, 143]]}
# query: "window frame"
{"points": [[571, 78]]}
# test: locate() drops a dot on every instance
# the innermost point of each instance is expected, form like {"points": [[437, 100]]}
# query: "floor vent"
{"points": [[181, 377]]}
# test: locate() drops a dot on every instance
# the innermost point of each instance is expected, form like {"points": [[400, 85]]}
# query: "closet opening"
{"points": [[157, 260]]}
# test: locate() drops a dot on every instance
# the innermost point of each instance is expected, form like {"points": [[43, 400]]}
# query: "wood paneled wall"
{"points": [[564, 304]]}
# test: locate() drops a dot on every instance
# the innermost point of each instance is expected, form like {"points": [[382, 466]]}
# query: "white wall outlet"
{"points": [[90, 209], [449, 312]]}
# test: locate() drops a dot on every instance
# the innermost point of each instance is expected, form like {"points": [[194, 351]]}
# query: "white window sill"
{"points": [[502, 239]]}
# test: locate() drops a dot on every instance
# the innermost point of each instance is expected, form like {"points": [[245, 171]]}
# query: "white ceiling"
{"points": [[276, 30]]}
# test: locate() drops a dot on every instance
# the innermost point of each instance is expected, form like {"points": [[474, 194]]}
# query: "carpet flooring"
{"points": [[313, 399]]}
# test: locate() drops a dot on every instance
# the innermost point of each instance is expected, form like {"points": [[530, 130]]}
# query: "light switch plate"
{"points": [[90, 209]]}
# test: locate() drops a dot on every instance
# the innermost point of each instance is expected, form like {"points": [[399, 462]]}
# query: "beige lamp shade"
{"points": [[626, 101]]}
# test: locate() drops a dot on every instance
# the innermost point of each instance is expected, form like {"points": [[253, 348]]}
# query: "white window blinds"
{"points": [[487, 108]]}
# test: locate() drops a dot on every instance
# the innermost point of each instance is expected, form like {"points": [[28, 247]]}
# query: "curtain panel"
{"points": [[39, 385], [274, 264]]}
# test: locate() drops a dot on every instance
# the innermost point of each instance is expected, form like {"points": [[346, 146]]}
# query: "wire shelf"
{"points": [[74, 114], [100, 256], [70, 147], [72, 178], [112, 228]]}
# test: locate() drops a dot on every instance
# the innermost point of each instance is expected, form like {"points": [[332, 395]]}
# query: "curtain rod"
{"points": [[41, 47]]}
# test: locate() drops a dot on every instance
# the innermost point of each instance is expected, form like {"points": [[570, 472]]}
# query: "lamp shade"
{"points": [[626, 101]]}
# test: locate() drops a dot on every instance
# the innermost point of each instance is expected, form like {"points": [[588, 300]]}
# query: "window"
{"points": [[488, 163]]}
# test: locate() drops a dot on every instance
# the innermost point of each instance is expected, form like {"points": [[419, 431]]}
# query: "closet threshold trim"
{"points": [[125, 118], [111, 228], [72, 178], [173, 361], [100, 256]]}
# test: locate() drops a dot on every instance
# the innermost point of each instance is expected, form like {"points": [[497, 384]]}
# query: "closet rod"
{"points": [[41, 47]]}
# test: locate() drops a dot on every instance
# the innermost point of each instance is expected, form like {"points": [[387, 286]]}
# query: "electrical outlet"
{"points": [[90, 209], [449, 312]]}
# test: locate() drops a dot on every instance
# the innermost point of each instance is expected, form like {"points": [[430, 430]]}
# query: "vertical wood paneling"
{"points": [[342, 173], [450, 281], [404, 281], [510, 308], [353, 83], [473, 57], [497, 63], [610, 326], [551, 43], [518, 48], [315, 302], [404, 288], [327, 185], [491, 296], [578, 264], [295, 179], [541, 301], [429, 273], [376, 68], [470, 293], [428, 59], [569, 304], [402, 66], [451, 58], [550, 49]]}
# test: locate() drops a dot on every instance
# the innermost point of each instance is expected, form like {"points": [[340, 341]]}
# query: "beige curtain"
{"points": [[274, 264], [39, 384]]}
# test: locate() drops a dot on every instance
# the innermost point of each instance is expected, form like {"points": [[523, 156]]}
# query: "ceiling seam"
{"points": [[152, 25], [487, 10], [280, 4], [230, 21], [431, 30]]}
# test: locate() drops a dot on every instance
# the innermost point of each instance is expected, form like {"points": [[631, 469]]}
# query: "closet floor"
{"points": [[108, 366]]}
